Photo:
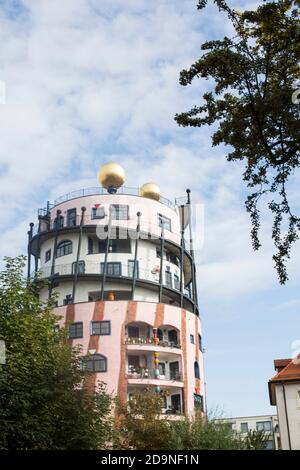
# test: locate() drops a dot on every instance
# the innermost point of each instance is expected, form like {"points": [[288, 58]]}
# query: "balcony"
{"points": [[101, 191], [147, 229], [146, 374], [143, 341], [115, 270]]}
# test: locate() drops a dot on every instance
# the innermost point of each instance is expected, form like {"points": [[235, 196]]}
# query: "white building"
{"points": [[266, 423], [284, 390]]}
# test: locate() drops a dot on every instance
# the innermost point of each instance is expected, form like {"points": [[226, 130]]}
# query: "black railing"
{"points": [[101, 191], [143, 341]]}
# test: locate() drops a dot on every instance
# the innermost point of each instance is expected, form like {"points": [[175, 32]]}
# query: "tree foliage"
{"points": [[256, 440], [43, 401], [141, 426], [202, 433], [138, 423], [254, 74]]}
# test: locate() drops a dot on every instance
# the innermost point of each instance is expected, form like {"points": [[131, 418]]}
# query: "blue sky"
{"points": [[92, 81]]}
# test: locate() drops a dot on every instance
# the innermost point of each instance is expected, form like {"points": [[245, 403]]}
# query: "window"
{"points": [[176, 282], [90, 246], [118, 294], [198, 402], [133, 362], [162, 368], [160, 334], [269, 445], [80, 269], [264, 426], [112, 269], [68, 300], [98, 212], [164, 222], [95, 363], [173, 258], [115, 246], [130, 268], [133, 331], [71, 218], [196, 370], [119, 212], [119, 246], [244, 427], [58, 222], [168, 278], [101, 328], [188, 291], [76, 330], [47, 256], [102, 246], [64, 248], [200, 343], [174, 371], [192, 339]]}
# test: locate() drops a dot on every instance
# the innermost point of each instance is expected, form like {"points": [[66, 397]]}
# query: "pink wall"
{"points": [[111, 346]]}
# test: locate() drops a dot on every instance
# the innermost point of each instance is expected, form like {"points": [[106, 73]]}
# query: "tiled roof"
{"points": [[290, 369], [281, 363]]}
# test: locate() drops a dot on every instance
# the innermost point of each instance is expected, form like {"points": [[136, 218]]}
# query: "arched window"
{"points": [[95, 363], [64, 248], [197, 370]]}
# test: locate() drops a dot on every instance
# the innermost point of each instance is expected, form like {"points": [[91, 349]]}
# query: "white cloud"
{"points": [[89, 82]]}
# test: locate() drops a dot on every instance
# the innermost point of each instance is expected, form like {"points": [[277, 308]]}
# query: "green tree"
{"points": [[203, 433], [256, 440], [138, 423], [254, 74], [44, 403]]}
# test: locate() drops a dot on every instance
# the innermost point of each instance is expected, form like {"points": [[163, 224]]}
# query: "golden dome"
{"points": [[150, 190], [111, 175]]}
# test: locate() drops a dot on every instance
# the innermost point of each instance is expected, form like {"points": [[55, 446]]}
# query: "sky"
{"points": [[90, 81]]}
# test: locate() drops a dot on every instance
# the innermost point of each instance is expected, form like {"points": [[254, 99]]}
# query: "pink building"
{"points": [[125, 277]]}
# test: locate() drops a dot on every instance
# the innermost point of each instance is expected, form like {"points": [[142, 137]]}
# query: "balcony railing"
{"points": [[148, 374], [118, 270], [141, 340], [101, 191], [146, 227]]}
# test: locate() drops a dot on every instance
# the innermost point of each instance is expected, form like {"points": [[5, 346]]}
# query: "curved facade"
{"points": [[125, 281]]}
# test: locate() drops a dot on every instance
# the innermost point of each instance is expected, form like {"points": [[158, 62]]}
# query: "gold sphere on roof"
{"points": [[111, 175], [150, 190]]}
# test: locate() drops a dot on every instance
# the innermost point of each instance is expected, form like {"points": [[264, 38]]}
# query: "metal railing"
{"points": [[101, 191], [146, 374], [143, 340], [129, 224], [116, 270]]}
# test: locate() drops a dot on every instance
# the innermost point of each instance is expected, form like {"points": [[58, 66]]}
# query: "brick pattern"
{"points": [[159, 315], [70, 317], [197, 381], [94, 343], [122, 383], [184, 352]]}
